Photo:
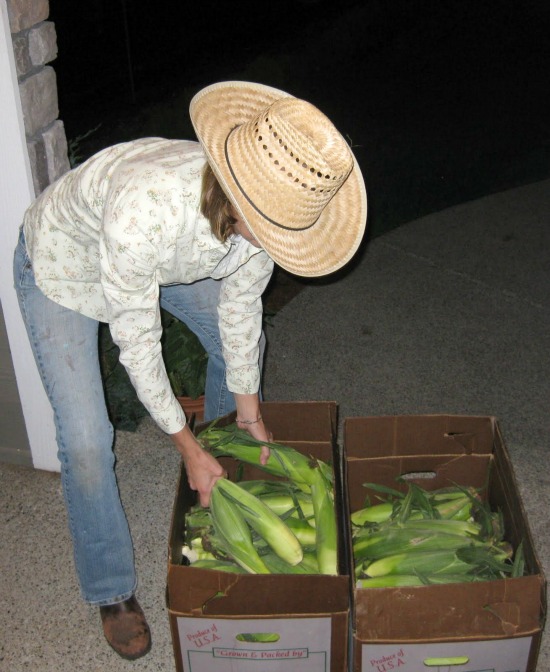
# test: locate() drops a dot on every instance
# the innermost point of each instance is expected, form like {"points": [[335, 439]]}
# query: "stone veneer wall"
{"points": [[34, 45]]}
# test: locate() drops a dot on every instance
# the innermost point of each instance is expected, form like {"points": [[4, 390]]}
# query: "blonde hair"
{"points": [[215, 205]]}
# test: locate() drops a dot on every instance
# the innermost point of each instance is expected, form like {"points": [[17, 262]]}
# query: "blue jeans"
{"points": [[196, 306], [65, 346], [202, 319]]}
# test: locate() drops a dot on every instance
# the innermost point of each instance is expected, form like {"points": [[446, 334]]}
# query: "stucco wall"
{"points": [[33, 153]]}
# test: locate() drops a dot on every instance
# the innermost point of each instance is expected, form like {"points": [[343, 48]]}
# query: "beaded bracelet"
{"points": [[249, 422]]}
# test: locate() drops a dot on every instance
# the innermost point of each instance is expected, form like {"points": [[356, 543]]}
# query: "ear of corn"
{"points": [[219, 565], [463, 527], [419, 502], [377, 513], [398, 580], [283, 461], [518, 567], [298, 505], [425, 562], [232, 529], [286, 517], [325, 525], [405, 540], [430, 537], [259, 516], [310, 563], [277, 565], [304, 532], [262, 487]]}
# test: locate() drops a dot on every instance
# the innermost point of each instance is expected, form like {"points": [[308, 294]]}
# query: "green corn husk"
{"points": [[487, 561], [219, 565], [399, 580], [305, 533], [426, 562], [463, 527], [432, 536], [377, 513], [453, 492], [231, 528], [456, 502], [393, 537], [325, 525], [198, 518], [288, 499], [407, 539], [518, 566], [299, 505], [260, 517], [308, 565], [283, 497], [310, 562], [277, 565], [198, 523], [263, 487], [455, 509], [283, 461]]}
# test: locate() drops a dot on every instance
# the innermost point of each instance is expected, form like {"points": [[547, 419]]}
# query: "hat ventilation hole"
{"points": [[303, 165]]}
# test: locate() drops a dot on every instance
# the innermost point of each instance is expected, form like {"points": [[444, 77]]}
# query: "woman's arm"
{"points": [[249, 418]]}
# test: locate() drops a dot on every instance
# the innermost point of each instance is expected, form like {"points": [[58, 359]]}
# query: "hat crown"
{"points": [[305, 225], [289, 162]]}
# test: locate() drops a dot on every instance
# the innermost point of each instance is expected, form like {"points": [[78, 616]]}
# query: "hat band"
{"points": [[243, 192]]}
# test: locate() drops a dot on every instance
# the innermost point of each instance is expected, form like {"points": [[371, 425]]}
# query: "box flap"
{"points": [[294, 422], [427, 471], [384, 436]]}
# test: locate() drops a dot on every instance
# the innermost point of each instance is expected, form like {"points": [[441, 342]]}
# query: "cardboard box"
{"points": [[491, 626], [309, 614]]}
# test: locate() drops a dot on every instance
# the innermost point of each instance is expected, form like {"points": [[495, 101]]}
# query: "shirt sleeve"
{"points": [[130, 252], [240, 312]]}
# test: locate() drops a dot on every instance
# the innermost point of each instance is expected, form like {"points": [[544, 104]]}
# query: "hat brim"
{"points": [[318, 250]]}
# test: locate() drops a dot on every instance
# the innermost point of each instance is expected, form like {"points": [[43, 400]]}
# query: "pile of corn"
{"points": [[284, 526], [444, 536]]}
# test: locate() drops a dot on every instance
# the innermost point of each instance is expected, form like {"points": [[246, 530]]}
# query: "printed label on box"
{"points": [[499, 655], [251, 645]]}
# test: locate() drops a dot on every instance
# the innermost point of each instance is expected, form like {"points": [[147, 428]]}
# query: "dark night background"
{"points": [[442, 101]]}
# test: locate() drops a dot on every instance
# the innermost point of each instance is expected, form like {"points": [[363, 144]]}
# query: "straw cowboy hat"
{"points": [[289, 173]]}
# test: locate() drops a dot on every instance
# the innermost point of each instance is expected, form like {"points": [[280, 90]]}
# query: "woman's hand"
{"points": [[203, 470], [259, 431]]}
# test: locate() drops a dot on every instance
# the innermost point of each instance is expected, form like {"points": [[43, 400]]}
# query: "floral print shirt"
{"points": [[108, 234]]}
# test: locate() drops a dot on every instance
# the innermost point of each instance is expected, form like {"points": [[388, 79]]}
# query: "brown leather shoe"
{"points": [[126, 629]]}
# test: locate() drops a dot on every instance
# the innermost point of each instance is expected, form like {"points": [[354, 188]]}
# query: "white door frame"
{"points": [[16, 192]]}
